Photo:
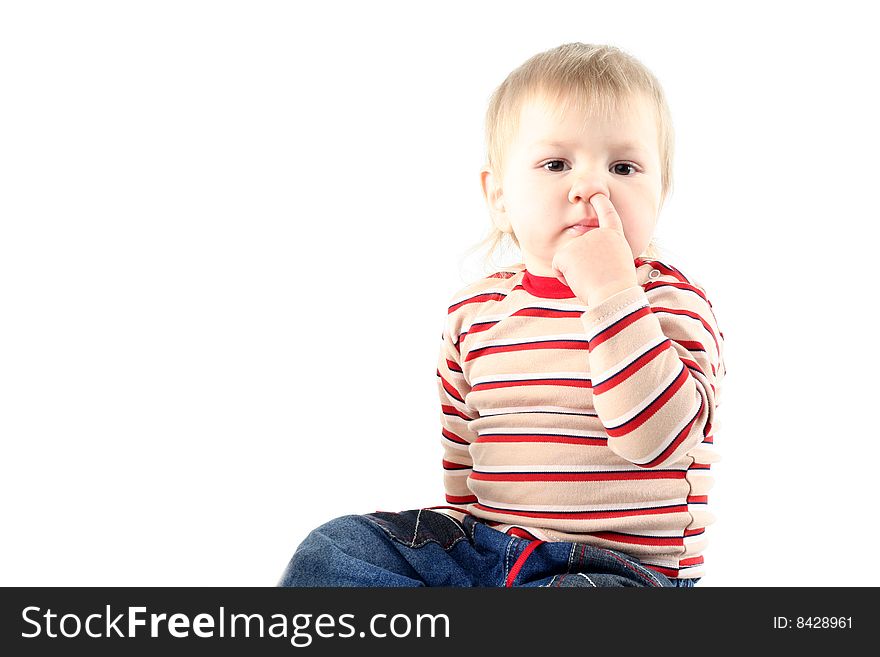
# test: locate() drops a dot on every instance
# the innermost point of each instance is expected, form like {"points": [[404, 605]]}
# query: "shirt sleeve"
{"points": [[455, 415], [655, 367]]}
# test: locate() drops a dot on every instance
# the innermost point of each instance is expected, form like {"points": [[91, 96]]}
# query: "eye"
{"points": [[546, 164], [624, 164]]}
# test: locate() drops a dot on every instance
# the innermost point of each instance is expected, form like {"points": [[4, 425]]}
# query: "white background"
{"points": [[230, 231]]}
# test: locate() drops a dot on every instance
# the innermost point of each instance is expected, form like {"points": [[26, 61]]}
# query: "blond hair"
{"points": [[574, 76]]}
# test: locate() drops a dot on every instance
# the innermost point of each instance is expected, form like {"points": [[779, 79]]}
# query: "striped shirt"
{"points": [[562, 422]]}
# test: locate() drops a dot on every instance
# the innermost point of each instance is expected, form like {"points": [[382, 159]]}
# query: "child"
{"points": [[579, 387]]}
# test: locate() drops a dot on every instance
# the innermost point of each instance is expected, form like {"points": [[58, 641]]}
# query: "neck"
{"points": [[538, 268]]}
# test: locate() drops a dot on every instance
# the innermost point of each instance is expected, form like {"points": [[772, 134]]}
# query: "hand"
{"points": [[599, 263]]}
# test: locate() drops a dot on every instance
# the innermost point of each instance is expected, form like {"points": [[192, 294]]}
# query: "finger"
{"points": [[608, 217]]}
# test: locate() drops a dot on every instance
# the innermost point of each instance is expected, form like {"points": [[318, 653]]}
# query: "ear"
{"points": [[494, 196]]}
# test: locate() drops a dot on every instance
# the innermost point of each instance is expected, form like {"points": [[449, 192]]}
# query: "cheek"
{"points": [[528, 212], [638, 219], [525, 198], [639, 211]]}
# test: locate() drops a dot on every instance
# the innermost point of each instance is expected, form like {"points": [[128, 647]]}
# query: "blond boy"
{"points": [[578, 388]]}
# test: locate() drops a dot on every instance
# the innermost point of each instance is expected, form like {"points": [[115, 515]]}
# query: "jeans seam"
{"points": [[521, 560], [510, 543], [587, 577], [640, 570], [571, 556], [648, 573], [413, 544], [581, 550], [416, 529]]}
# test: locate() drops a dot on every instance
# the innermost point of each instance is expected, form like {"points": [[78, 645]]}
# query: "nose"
{"points": [[585, 186]]}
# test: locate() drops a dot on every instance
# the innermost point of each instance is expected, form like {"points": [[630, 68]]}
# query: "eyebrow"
{"points": [[619, 146]]}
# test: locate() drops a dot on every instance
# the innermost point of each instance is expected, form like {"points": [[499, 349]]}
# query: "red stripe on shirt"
{"points": [[541, 438], [695, 561], [632, 368], [618, 326], [693, 365], [639, 540], [453, 366], [578, 476], [450, 389], [546, 312], [575, 383], [525, 346], [453, 437], [479, 298], [645, 414], [688, 313], [479, 327], [677, 440], [451, 410], [587, 515], [651, 285]]}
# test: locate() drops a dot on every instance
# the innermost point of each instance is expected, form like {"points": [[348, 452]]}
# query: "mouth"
{"points": [[582, 227]]}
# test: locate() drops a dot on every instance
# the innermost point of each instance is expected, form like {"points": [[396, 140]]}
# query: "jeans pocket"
{"points": [[418, 527]]}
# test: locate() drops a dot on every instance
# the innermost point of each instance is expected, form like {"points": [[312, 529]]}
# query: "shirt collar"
{"points": [[546, 287]]}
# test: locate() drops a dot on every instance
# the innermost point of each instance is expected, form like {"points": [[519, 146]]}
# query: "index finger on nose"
{"points": [[608, 217]]}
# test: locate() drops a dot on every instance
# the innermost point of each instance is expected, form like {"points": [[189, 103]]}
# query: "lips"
{"points": [[583, 227]]}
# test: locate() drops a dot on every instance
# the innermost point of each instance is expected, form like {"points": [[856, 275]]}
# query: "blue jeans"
{"points": [[425, 548]]}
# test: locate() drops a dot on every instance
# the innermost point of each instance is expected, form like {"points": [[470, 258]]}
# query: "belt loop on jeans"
{"points": [[521, 560]]}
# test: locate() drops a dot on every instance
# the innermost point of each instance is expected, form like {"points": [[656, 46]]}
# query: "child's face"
{"points": [[545, 189]]}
